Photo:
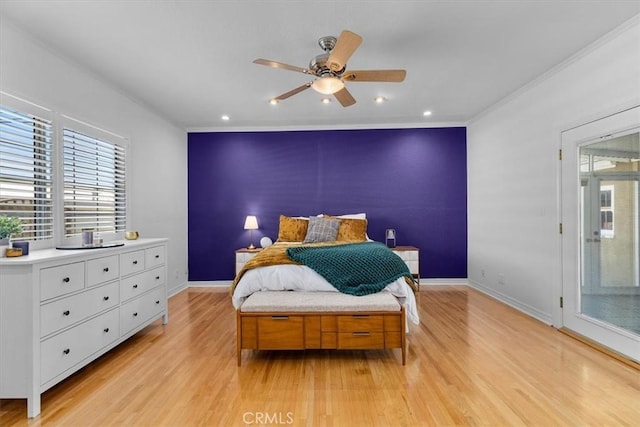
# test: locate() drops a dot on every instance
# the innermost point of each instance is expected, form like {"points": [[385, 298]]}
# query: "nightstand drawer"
{"points": [[243, 256]]}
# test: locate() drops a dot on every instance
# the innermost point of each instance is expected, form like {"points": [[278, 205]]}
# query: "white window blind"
{"points": [[94, 184], [26, 172]]}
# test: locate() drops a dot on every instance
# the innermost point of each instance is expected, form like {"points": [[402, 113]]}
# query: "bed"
{"points": [[324, 284]]}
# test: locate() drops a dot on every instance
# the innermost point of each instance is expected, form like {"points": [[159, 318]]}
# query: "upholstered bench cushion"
{"points": [[288, 301]]}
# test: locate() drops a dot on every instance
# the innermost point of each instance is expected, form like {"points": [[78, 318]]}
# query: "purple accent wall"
{"points": [[413, 180]]}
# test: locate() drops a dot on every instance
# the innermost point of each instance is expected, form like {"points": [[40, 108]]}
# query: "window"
{"points": [[94, 183], [606, 211], [26, 172]]}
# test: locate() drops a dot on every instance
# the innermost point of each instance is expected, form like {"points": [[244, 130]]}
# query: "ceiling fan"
{"points": [[330, 71]]}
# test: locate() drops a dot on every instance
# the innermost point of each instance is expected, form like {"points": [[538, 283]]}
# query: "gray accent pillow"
{"points": [[321, 230]]}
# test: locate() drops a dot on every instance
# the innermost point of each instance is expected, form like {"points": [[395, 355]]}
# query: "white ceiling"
{"points": [[191, 61]]}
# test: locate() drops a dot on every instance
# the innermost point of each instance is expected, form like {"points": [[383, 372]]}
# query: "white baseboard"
{"points": [[545, 318], [444, 282], [210, 284]]}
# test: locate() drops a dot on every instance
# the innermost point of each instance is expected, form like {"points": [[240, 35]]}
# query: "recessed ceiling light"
{"points": [[325, 100], [273, 101], [426, 113], [224, 117], [379, 99]]}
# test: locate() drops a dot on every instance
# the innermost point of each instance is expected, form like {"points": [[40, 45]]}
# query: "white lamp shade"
{"points": [[251, 223], [328, 85]]}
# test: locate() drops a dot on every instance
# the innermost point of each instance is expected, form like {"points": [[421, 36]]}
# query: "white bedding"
{"points": [[302, 278]]}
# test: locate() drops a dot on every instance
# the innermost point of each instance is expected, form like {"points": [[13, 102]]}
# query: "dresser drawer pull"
{"points": [[280, 317], [66, 280], [157, 256], [106, 330], [158, 302], [106, 298], [135, 286], [66, 312], [157, 277], [135, 262], [135, 314], [106, 269], [361, 334], [66, 351]]}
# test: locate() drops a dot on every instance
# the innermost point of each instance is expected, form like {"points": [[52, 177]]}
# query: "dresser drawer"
{"points": [[102, 270], [361, 323], [154, 256], [360, 340], [137, 311], [61, 280], [65, 312], [132, 286], [65, 350], [132, 262], [280, 332]]}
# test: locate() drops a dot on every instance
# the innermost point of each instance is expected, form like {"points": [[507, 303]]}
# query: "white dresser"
{"points": [[62, 309]]}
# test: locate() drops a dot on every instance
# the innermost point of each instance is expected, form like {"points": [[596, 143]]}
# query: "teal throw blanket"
{"points": [[353, 268]]}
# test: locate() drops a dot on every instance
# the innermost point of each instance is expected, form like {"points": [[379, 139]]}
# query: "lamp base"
{"points": [[251, 246]]}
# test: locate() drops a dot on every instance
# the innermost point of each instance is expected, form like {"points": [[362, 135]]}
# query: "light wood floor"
{"points": [[472, 361]]}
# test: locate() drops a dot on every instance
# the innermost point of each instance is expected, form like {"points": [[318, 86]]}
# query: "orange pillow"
{"points": [[351, 229], [292, 229]]}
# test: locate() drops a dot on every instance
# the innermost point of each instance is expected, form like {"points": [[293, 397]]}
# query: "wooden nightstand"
{"points": [[243, 255], [411, 256]]}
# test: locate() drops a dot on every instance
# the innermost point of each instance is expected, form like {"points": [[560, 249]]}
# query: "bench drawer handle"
{"points": [[361, 334], [280, 317]]}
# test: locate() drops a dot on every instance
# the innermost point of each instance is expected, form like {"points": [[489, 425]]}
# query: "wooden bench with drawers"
{"points": [[286, 320]]}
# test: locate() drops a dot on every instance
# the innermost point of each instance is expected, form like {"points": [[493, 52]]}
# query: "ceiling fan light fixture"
{"points": [[325, 100], [328, 85], [273, 101], [379, 99]]}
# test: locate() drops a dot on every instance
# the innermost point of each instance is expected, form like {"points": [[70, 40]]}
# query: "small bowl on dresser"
{"points": [[131, 235]]}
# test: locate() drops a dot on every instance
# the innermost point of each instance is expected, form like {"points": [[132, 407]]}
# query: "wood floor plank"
{"points": [[471, 361]]}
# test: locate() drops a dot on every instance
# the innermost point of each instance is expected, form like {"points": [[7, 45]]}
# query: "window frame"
{"points": [[82, 127], [58, 123], [22, 106]]}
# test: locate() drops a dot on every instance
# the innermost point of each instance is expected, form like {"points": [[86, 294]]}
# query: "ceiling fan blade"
{"points": [[293, 92], [347, 43], [283, 66], [374, 75], [344, 97]]}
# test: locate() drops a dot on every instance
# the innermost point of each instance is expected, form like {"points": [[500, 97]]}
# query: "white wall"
{"points": [[513, 169], [158, 148]]}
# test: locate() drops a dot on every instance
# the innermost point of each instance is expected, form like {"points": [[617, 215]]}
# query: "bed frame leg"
{"points": [[238, 337], [403, 335]]}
